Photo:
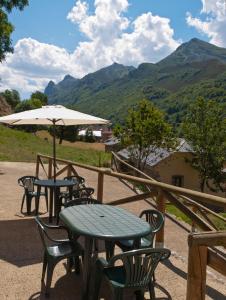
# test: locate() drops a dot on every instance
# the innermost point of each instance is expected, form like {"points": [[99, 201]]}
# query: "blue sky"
{"points": [[55, 38], [49, 25]]}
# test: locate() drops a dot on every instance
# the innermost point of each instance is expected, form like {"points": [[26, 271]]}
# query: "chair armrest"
{"points": [[59, 241], [59, 227], [101, 263]]}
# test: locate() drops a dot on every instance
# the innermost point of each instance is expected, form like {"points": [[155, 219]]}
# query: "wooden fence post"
{"points": [[161, 206], [197, 262], [100, 186], [37, 166], [50, 168], [69, 170]]}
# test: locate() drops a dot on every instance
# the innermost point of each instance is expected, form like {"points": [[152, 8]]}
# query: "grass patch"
{"points": [[16, 145], [170, 208]]}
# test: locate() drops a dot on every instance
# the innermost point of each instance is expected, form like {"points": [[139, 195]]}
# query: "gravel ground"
{"points": [[21, 252]]}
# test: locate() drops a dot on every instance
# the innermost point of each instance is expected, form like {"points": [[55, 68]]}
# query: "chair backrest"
{"points": [[79, 181], [42, 231], [81, 201], [85, 192], [43, 228], [27, 182], [139, 265], [154, 217]]}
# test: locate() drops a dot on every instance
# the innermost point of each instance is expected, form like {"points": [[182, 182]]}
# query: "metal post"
{"points": [[54, 150]]}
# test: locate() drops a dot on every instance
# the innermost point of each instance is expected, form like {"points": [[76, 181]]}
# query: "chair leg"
{"points": [[118, 294], [50, 268], [152, 290], [28, 200], [70, 264], [22, 203], [46, 197], [97, 284], [36, 205], [77, 264], [44, 267], [139, 295]]}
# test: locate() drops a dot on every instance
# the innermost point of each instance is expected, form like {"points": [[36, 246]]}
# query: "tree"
{"points": [[41, 96], [6, 28], [144, 132], [67, 133], [28, 105], [12, 97], [205, 128]]}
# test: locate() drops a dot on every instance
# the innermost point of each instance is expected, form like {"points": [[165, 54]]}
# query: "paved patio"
{"points": [[21, 252]]}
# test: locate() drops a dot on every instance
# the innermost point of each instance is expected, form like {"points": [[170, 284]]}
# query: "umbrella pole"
{"points": [[54, 150]]}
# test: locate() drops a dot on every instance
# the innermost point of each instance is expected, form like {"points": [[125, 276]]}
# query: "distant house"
{"points": [[96, 133], [172, 167], [101, 134], [112, 144]]}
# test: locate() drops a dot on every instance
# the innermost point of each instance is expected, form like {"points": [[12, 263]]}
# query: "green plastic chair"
{"points": [[135, 272], [81, 201], [27, 182], [79, 183], [156, 219], [56, 250], [84, 192]]}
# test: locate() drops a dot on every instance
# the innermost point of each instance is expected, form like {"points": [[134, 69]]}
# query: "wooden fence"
{"points": [[191, 203]]}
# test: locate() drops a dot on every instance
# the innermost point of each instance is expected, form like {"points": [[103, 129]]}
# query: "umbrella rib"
{"points": [[53, 120]]}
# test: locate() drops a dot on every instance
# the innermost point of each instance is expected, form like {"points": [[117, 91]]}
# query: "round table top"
{"points": [[104, 222], [52, 183]]}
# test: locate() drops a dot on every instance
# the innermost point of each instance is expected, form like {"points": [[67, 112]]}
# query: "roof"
{"points": [[160, 153], [112, 141]]}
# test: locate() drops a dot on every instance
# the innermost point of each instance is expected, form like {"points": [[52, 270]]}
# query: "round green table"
{"points": [[105, 222]]}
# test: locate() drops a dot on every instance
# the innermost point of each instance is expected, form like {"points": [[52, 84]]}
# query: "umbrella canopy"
{"points": [[51, 115]]}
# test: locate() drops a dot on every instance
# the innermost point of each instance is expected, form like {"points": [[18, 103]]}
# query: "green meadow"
{"points": [[17, 145]]}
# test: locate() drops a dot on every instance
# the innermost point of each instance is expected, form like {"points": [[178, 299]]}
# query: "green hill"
{"points": [[109, 92], [16, 145]]}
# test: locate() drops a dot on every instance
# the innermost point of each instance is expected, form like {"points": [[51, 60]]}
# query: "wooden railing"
{"points": [[199, 256], [191, 203]]}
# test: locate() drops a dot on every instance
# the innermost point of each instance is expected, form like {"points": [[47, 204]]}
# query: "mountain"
{"points": [[109, 92], [70, 89], [194, 51]]}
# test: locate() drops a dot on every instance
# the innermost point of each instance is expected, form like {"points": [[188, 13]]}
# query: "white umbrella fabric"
{"points": [[51, 115]]}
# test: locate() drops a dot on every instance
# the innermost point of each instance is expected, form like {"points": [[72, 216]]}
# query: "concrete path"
{"points": [[21, 252]]}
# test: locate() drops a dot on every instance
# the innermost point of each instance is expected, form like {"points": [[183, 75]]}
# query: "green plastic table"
{"points": [[54, 187], [104, 222]]}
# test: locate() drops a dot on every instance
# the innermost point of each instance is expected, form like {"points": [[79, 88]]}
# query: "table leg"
{"points": [[50, 205], [37, 200], [87, 267], [57, 204], [110, 249]]}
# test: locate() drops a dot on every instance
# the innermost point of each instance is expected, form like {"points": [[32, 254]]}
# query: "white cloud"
{"points": [[110, 37], [32, 65], [214, 23]]}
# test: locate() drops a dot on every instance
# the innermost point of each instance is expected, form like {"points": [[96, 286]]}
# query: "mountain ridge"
{"points": [[110, 91]]}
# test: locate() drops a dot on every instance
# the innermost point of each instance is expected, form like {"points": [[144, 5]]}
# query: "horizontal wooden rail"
{"points": [[216, 261], [208, 239], [203, 197], [133, 198]]}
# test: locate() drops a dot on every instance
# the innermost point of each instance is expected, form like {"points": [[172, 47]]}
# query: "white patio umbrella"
{"points": [[51, 115]]}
